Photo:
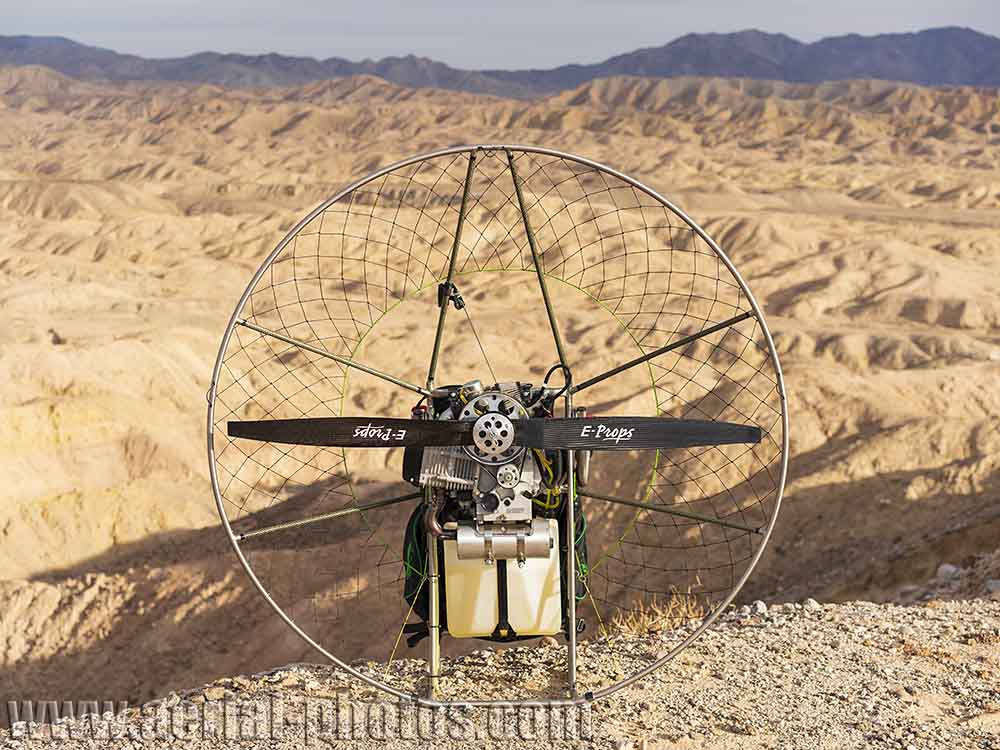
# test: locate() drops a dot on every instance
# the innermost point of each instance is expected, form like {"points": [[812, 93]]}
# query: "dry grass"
{"points": [[658, 614]]}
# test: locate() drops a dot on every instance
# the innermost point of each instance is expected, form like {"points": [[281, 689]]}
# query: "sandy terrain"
{"points": [[864, 216]]}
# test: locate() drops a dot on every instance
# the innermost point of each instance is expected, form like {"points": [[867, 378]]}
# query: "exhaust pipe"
{"points": [[433, 525]]}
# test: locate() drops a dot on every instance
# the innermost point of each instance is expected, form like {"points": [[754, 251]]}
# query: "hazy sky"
{"points": [[464, 33]]}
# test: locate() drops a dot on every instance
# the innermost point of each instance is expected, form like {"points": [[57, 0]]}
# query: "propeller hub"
{"points": [[493, 413], [493, 434]]}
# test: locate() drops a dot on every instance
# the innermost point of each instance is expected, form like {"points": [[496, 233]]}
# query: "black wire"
{"points": [[566, 374]]}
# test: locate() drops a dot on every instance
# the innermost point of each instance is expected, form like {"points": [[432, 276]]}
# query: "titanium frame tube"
{"points": [[470, 172], [330, 355], [571, 563], [663, 350], [536, 259], [434, 614], [571, 454], [671, 511], [325, 516]]}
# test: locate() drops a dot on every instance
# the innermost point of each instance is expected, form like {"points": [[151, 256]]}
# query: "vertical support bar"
{"points": [[451, 268], [571, 562], [537, 261], [434, 615]]}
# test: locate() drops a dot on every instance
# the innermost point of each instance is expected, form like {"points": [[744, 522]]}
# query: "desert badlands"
{"points": [[865, 216]]}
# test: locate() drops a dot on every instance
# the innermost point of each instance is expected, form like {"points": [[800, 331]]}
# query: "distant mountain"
{"points": [[935, 57], [82, 61], [745, 54]]}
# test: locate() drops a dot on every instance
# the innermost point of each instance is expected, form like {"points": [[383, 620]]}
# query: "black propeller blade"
{"points": [[594, 433], [355, 432], [630, 433]]}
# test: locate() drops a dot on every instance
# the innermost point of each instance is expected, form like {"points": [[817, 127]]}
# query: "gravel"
{"points": [[787, 676]]}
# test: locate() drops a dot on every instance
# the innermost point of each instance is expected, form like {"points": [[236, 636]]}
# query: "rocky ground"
{"points": [[854, 675], [979, 576]]}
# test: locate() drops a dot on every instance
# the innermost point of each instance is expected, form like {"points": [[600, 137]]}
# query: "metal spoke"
{"points": [[670, 511], [443, 303], [335, 357], [537, 261], [326, 516], [662, 350]]}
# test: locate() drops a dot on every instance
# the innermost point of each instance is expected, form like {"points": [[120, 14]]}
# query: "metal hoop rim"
{"points": [[455, 150]]}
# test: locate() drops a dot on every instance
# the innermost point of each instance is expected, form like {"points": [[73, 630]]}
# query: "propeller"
{"points": [[630, 433], [589, 433], [355, 432]]}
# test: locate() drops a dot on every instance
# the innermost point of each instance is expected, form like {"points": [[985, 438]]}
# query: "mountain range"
{"points": [[949, 56]]}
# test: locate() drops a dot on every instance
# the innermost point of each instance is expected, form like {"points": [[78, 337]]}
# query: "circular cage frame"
{"points": [[575, 698]]}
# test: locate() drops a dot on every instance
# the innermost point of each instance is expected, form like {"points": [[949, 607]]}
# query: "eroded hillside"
{"points": [[864, 216]]}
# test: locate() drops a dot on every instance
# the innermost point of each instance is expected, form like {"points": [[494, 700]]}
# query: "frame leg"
{"points": [[434, 623], [571, 564]]}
